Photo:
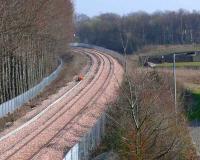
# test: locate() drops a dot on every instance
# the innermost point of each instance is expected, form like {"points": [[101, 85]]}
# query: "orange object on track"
{"points": [[80, 78]]}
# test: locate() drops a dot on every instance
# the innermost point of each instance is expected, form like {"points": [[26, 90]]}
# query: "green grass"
{"points": [[180, 64], [194, 113]]}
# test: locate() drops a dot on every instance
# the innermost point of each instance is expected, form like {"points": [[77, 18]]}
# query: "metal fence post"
{"points": [[16, 102]]}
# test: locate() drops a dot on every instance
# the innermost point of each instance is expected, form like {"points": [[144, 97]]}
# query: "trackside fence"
{"points": [[89, 142], [15, 103], [82, 150]]}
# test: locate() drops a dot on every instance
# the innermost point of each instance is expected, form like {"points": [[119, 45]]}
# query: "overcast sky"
{"points": [[96, 7]]}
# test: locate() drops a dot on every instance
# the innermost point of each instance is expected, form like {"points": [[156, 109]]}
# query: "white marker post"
{"points": [[175, 96]]}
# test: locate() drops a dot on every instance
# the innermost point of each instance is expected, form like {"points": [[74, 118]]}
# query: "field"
{"points": [[181, 64], [187, 74], [190, 81]]}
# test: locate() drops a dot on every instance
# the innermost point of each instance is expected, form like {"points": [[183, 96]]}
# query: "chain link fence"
{"points": [[83, 149], [26, 66], [13, 104], [89, 142]]}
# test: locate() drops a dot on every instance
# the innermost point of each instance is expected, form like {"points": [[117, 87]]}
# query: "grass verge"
{"points": [[180, 64]]}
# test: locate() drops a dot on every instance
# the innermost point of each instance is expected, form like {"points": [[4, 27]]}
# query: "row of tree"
{"points": [[33, 34], [140, 28]]}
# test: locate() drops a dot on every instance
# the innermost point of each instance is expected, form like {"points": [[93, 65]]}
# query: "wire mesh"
{"points": [[13, 104], [89, 142]]}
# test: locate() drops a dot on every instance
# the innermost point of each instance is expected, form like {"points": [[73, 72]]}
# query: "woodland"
{"points": [[33, 34]]}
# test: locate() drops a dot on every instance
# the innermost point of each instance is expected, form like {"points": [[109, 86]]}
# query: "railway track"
{"points": [[33, 140]]}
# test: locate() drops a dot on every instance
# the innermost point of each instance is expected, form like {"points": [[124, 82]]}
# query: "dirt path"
{"points": [[62, 123]]}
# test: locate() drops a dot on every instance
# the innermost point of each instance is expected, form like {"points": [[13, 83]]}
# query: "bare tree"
{"points": [[32, 35], [144, 112]]}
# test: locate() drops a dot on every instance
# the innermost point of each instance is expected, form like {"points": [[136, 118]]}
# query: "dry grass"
{"points": [[188, 77], [156, 102], [189, 80], [73, 64], [192, 65]]}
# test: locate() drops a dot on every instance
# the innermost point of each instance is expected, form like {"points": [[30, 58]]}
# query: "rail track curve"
{"points": [[48, 134]]}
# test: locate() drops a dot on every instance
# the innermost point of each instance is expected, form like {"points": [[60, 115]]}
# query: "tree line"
{"points": [[33, 34], [139, 29]]}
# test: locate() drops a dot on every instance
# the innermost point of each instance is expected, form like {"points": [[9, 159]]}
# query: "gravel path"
{"points": [[66, 120], [194, 130]]}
